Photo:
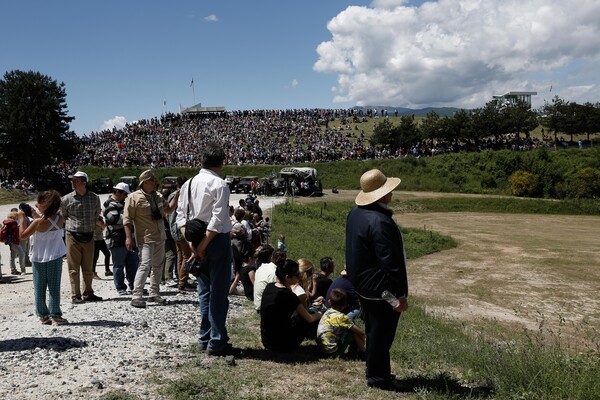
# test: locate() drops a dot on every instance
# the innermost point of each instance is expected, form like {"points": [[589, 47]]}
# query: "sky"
{"points": [[122, 61]]}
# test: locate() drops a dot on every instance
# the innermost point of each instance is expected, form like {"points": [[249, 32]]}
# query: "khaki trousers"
{"points": [[80, 259]]}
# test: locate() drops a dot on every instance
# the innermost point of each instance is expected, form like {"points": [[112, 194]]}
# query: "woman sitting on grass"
{"points": [[284, 320], [47, 248]]}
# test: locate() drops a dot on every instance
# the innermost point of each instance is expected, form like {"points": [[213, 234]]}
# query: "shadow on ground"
{"points": [[30, 343]]}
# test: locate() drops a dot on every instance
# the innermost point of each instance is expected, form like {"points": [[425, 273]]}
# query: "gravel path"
{"points": [[107, 346]]}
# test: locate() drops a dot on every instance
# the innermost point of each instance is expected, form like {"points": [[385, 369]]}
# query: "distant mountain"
{"points": [[441, 111]]}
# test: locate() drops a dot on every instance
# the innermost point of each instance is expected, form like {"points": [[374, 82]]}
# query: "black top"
{"points": [[246, 282], [323, 284], [276, 324]]}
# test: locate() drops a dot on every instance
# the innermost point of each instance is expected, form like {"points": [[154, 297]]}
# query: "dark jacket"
{"points": [[375, 257]]}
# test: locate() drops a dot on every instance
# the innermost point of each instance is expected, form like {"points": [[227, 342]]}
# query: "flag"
{"points": [[192, 82]]}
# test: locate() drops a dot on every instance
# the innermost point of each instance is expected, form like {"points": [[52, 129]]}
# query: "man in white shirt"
{"points": [[206, 197]]}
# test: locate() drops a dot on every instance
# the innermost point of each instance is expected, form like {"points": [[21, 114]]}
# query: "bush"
{"points": [[525, 184], [586, 183]]}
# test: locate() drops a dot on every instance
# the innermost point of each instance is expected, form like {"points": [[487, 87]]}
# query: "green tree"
{"points": [[519, 118], [554, 116], [408, 131], [34, 125], [384, 134]]}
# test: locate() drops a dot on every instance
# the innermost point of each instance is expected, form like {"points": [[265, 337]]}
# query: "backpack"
{"points": [[9, 233]]}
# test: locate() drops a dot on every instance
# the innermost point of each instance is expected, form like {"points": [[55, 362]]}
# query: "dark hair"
{"points": [[326, 262], [51, 199], [288, 268], [263, 254], [26, 208], [213, 155], [337, 298], [278, 257], [181, 180], [239, 214]]}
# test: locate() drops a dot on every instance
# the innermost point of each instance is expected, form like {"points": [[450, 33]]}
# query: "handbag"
{"points": [[195, 228]]}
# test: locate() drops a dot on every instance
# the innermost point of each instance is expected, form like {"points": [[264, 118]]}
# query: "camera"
{"points": [[193, 267], [156, 215]]}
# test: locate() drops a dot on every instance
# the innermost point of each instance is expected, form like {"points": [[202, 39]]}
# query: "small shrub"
{"points": [[525, 184]]}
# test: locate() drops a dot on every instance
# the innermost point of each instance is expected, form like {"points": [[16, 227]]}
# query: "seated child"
{"points": [[336, 330]]}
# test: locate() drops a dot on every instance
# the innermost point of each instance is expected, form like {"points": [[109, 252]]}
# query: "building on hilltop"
{"points": [[198, 109], [514, 97]]}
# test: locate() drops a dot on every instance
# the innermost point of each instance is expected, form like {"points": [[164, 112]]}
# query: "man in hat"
{"points": [[81, 209], [144, 212], [376, 262], [124, 261], [206, 197]]}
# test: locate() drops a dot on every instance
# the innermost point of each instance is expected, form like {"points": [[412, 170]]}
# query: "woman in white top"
{"points": [[47, 249]]}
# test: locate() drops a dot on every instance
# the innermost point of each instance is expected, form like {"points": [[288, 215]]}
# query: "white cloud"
{"points": [[460, 53], [116, 122], [294, 83], [211, 18]]}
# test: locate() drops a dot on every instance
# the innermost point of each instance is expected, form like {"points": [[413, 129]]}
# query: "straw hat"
{"points": [[374, 185], [146, 175]]}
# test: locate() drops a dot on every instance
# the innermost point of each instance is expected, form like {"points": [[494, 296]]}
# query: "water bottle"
{"points": [[390, 298]]}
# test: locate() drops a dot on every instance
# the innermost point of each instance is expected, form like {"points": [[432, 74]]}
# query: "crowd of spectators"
{"points": [[261, 137], [273, 137]]}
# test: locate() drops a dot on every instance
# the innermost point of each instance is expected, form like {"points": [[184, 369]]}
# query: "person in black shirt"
{"points": [[323, 281], [284, 321]]}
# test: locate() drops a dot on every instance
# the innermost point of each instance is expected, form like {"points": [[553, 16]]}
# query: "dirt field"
{"points": [[526, 270]]}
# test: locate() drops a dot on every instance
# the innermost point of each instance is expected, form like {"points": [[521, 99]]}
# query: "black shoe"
{"points": [[77, 300], [228, 350], [92, 297], [108, 273], [390, 385]]}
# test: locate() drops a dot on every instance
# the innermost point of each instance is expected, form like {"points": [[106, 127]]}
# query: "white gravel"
{"points": [[107, 346]]}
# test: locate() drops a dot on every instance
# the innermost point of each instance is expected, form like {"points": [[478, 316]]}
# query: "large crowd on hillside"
{"points": [[259, 137]]}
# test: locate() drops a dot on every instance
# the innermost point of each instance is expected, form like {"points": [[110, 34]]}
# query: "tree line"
{"points": [[494, 120]]}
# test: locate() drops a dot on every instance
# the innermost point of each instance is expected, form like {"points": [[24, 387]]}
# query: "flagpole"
{"points": [[193, 90]]}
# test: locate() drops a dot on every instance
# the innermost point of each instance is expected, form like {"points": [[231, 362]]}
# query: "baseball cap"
{"points": [[79, 174], [122, 186]]}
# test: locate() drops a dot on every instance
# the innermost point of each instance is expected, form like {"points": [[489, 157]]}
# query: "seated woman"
{"points": [[308, 282], [284, 321]]}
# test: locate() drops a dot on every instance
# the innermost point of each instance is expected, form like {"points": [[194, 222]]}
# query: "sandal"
{"points": [[45, 320], [59, 321]]}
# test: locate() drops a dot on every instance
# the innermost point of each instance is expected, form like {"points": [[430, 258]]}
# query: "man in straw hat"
{"points": [[143, 220], [376, 263]]}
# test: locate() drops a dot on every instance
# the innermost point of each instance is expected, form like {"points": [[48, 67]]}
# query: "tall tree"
{"points": [[34, 125], [554, 116], [519, 118]]}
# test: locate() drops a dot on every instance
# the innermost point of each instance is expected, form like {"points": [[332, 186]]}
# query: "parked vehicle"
{"points": [[102, 185], [245, 184], [131, 180], [301, 181], [232, 182]]}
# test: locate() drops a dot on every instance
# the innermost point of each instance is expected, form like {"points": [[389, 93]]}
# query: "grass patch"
{"points": [[509, 205], [13, 196], [318, 229]]}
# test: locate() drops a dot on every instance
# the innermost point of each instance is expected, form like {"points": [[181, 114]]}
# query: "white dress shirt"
{"points": [[209, 201]]}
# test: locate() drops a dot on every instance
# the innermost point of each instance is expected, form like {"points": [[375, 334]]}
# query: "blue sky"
{"points": [[121, 60]]}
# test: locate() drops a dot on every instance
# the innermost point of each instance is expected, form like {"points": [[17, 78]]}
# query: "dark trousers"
{"points": [[381, 322]]}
